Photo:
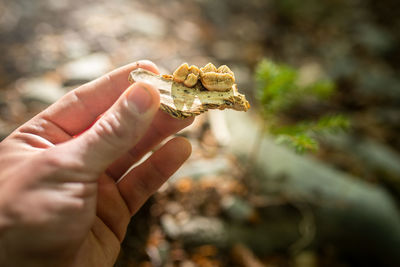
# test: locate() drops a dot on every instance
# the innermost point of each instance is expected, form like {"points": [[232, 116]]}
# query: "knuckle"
{"points": [[143, 187], [110, 128], [54, 160], [151, 182], [126, 111], [60, 162]]}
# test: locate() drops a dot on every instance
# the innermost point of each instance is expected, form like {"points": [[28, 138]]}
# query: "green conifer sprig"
{"points": [[278, 89]]}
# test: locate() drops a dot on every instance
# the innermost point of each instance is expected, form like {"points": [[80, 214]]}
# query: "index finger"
{"points": [[79, 109]]}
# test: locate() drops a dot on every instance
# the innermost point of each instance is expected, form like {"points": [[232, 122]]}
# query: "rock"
{"points": [[85, 69], [375, 158], [374, 38], [378, 83], [41, 89], [236, 208], [218, 127], [170, 226], [197, 168], [147, 24], [375, 155], [75, 47], [276, 232], [173, 207], [197, 230]]}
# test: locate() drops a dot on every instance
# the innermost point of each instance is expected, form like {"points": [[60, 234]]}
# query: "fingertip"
{"points": [[185, 147], [184, 122], [148, 65], [163, 117], [189, 121]]}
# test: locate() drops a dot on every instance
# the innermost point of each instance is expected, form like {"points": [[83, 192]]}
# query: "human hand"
{"points": [[60, 204]]}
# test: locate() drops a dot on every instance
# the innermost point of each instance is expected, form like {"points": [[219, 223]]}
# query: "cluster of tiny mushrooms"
{"points": [[212, 78], [191, 91]]}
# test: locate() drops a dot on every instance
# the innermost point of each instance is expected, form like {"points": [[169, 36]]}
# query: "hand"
{"points": [[60, 202]]}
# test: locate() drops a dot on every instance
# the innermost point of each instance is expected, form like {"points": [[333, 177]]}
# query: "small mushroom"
{"points": [[181, 73], [221, 79], [186, 75], [225, 69], [209, 68]]}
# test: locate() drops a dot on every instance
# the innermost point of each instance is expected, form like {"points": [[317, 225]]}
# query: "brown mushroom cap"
{"points": [[221, 79]]}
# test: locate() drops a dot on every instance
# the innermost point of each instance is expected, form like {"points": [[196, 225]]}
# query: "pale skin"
{"points": [[60, 203]]}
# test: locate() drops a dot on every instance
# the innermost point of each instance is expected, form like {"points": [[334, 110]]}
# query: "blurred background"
{"points": [[242, 199]]}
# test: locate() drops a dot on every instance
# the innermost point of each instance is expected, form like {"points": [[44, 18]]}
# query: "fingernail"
{"points": [[141, 98]]}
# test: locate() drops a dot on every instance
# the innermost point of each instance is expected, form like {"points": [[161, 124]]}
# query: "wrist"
{"points": [[13, 249], [6, 221], [5, 229]]}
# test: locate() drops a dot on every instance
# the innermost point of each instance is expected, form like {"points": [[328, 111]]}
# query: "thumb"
{"points": [[120, 128]]}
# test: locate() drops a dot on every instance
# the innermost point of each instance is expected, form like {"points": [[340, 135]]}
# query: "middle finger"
{"points": [[162, 126]]}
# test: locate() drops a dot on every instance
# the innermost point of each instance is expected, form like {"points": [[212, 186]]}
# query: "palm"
{"points": [[100, 247], [95, 252]]}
